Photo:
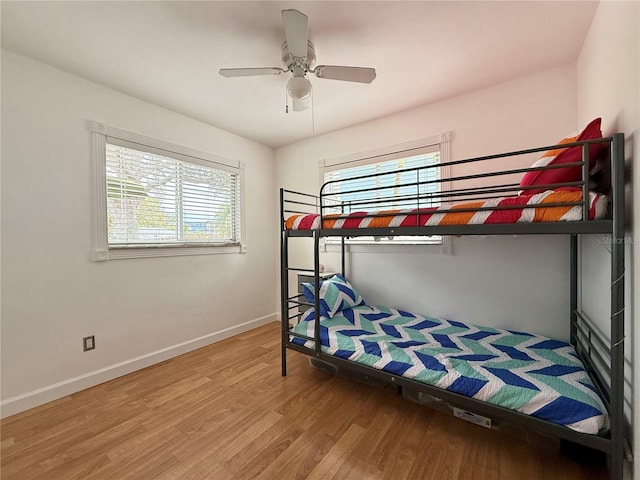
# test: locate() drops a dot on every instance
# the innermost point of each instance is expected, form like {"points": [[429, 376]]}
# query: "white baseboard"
{"points": [[40, 396]]}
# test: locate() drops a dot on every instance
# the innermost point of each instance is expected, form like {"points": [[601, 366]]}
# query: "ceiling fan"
{"points": [[299, 56]]}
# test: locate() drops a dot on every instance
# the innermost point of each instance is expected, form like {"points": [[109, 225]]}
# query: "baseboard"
{"points": [[34, 398]]}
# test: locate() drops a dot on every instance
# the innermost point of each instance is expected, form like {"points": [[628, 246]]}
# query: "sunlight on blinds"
{"points": [[158, 200], [400, 183], [397, 184]]}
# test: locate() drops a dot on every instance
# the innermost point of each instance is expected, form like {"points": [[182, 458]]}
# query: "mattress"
{"points": [[518, 209], [531, 374]]}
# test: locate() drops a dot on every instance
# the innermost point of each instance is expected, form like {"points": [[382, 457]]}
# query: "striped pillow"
{"points": [[336, 294]]}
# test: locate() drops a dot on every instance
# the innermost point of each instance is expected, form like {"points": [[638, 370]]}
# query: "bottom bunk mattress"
{"points": [[531, 374]]}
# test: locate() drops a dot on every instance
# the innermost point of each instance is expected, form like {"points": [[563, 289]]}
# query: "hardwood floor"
{"points": [[224, 412]]}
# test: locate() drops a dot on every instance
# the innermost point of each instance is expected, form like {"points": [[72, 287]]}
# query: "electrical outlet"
{"points": [[88, 343]]}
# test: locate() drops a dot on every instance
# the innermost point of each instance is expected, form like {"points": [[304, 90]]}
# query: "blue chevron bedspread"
{"points": [[528, 373]]}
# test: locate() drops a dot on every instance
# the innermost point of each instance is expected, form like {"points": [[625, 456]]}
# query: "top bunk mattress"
{"points": [[540, 207], [529, 373]]}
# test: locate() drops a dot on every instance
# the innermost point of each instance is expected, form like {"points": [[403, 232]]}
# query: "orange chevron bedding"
{"points": [[540, 207]]}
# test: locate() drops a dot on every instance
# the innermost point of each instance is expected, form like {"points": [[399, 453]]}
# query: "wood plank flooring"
{"points": [[224, 412]]}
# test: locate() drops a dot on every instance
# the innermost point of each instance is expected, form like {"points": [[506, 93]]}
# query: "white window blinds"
{"points": [[388, 179], [394, 186], [162, 198]]}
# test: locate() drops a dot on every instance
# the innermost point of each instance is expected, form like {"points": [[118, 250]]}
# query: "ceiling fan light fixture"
{"points": [[300, 105], [299, 88]]}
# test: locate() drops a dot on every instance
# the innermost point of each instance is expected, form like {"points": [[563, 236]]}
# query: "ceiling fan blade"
{"points": [[250, 72], [348, 74], [296, 32]]}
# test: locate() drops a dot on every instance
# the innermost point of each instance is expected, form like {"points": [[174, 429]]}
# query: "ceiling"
{"points": [[169, 53]]}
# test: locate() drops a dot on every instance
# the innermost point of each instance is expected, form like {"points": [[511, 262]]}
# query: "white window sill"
{"points": [[101, 255]]}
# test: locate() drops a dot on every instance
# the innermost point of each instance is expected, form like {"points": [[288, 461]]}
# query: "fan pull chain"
{"points": [[313, 116]]}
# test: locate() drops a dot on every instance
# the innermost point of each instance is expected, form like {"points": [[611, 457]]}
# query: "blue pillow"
{"points": [[336, 294]]}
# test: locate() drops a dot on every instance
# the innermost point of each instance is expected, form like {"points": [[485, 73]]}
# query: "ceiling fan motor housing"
{"points": [[291, 62]]}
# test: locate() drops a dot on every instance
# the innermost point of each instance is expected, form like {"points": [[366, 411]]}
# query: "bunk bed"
{"points": [[449, 364]]}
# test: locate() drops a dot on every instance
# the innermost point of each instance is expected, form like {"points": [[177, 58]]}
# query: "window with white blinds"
{"points": [[159, 199], [388, 179], [155, 199], [395, 184]]}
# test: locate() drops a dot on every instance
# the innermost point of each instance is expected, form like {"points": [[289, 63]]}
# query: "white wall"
{"points": [[517, 283], [141, 310], [609, 86]]}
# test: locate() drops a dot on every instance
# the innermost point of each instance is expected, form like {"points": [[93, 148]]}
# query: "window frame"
{"points": [[100, 134], [440, 141]]}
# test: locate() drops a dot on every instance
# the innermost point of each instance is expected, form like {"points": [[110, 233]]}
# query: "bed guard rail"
{"points": [[420, 187]]}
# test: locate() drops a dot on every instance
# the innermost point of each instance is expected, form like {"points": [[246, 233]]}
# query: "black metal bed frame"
{"points": [[602, 357]]}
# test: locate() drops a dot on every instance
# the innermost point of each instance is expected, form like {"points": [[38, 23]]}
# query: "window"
{"points": [[395, 180], [158, 199]]}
